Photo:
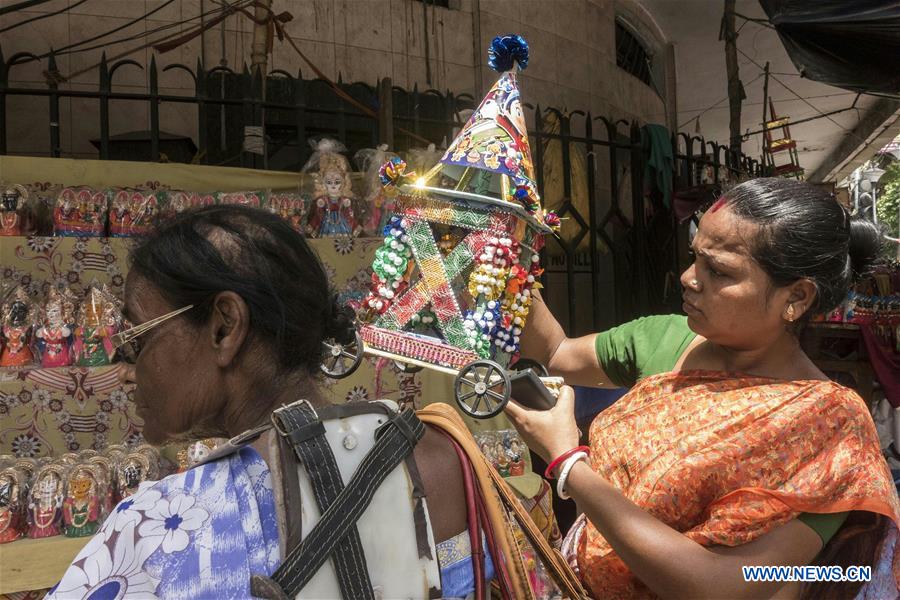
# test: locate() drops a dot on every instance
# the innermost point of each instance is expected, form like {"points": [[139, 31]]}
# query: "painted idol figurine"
{"points": [[12, 506], [332, 213], [134, 469], [290, 207], [102, 466], [93, 347], [132, 212], [380, 203], [16, 328], [11, 205], [54, 333], [81, 508], [45, 502]]}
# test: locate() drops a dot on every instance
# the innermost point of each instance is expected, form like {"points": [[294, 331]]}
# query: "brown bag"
{"points": [[505, 512]]}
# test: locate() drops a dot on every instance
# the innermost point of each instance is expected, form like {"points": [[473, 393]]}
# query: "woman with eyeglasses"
{"points": [[231, 307], [731, 449]]}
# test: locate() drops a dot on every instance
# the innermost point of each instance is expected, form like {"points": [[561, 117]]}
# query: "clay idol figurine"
{"points": [[93, 346], [132, 212], [81, 508], [132, 471], [380, 200], [12, 205], [17, 318], [103, 467], [290, 207], [54, 333], [115, 455], [12, 506], [45, 502], [177, 201], [332, 213], [80, 212]]}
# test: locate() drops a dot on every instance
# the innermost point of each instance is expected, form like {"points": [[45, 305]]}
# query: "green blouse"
{"points": [[651, 345]]}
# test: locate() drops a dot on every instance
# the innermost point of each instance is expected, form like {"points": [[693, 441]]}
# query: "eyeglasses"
{"points": [[127, 343]]}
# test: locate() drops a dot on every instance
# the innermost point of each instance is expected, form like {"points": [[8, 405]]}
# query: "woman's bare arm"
{"points": [[574, 359], [673, 565], [665, 560]]}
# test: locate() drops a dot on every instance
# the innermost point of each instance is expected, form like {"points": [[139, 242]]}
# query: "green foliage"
{"points": [[888, 204]]}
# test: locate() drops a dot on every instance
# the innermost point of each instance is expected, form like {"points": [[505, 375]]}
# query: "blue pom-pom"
{"points": [[506, 51]]}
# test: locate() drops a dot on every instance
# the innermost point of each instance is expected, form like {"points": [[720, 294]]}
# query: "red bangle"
{"points": [[548, 473]]}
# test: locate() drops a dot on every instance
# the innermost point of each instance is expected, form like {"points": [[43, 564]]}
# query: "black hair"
{"points": [[260, 257], [805, 234]]}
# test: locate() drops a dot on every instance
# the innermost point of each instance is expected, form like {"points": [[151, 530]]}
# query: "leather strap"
{"points": [[500, 503], [299, 424], [395, 441]]}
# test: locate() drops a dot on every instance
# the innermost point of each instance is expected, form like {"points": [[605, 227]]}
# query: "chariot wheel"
{"points": [[341, 360], [406, 367], [482, 389], [529, 363]]}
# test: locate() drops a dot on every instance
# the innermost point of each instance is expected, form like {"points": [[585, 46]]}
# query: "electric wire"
{"points": [[716, 104], [807, 102], [111, 31], [43, 16], [22, 6], [150, 32]]}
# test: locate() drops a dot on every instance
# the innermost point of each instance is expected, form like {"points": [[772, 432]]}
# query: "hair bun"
{"points": [[341, 323], [865, 246]]}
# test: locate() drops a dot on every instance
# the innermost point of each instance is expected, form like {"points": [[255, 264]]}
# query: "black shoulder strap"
{"points": [[335, 534]]}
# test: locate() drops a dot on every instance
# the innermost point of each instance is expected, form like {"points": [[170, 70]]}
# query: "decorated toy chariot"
{"points": [[452, 282]]}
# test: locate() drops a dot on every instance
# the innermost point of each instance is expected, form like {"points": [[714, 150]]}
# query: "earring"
{"points": [[790, 313]]}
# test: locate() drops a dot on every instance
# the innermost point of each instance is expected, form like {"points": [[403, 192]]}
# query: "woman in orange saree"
{"points": [[731, 449]]}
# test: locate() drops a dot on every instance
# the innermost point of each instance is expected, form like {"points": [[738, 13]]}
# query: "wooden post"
{"points": [[3, 83], [765, 134], [735, 89], [259, 48], [386, 111], [105, 88]]}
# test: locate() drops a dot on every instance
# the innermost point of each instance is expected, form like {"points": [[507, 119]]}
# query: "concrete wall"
{"points": [[572, 48]]}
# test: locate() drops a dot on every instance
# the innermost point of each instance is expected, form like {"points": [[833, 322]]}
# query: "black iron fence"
{"points": [[620, 252]]}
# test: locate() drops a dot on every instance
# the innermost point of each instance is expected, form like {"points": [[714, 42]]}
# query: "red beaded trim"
{"points": [[411, 346]]}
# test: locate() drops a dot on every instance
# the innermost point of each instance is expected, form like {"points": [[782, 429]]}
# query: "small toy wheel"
{"points": [[529, 363], [342, 360], [406, 367], [482, 389]]}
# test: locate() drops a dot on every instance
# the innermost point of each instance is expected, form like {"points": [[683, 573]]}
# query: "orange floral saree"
{"points": [[724, 459]]}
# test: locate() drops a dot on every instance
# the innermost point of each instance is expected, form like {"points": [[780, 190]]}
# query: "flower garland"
{"points": [[390, 266], [502, 291], [479, 325], [492, 266]]}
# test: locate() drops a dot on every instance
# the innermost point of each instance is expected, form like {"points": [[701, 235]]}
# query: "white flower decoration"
{"points": [[11, 400], [42, 398], [172, 520], [118, 398], [128, 511], [106, 572]]}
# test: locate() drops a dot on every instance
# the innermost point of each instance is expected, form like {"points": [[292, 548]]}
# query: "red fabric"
{"points": [[885, 362]]}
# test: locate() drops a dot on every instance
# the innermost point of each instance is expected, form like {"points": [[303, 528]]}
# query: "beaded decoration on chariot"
{"points": [[462, 250]]}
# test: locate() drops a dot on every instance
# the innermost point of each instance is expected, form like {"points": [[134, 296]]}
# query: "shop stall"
{"points": [[70, 441]]}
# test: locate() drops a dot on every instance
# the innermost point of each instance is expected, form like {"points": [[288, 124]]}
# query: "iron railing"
{"points": [[636, 239]]}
